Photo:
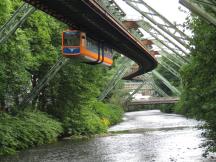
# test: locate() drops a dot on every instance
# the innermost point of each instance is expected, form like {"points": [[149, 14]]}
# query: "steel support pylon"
{"points": [[17, 19]]}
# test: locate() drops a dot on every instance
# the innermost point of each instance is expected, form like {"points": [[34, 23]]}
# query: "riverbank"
{"points": [[30, 129], [141, 136]]}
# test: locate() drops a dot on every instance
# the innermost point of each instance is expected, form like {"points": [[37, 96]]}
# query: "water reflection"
{"points": [[147, 136]]}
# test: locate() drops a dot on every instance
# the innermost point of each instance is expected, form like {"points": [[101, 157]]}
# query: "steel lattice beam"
{"points": [[170, 69], [166, 82], [43, 82], [160, 21], [121, 71], [167, 44], [21, 14], [199, 10], [156, 32]]}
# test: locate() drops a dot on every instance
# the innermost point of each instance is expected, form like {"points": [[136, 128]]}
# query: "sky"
{"points": [[168, 8]]}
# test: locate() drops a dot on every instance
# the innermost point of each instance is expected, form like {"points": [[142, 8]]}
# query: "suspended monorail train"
{"points": [[75, 44]]}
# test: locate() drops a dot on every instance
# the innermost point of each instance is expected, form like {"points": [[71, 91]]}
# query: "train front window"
{"points": [[71, 39]]}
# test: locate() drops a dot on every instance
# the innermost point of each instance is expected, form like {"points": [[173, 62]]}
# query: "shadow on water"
{"points": [[143, 136]]}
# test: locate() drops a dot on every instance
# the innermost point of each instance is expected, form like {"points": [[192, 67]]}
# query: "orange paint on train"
{"points": [[83, 50], [93, 55]]}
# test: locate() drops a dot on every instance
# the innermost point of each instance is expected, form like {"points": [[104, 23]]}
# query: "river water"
{"points": [[143, 136]]}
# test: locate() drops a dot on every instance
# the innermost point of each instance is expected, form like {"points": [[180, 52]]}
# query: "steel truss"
{"points": [[26, 10], [121, 71], [198, 7], [43, 82], [160, 21], [18, 18], [147, 79], [166, 82]]}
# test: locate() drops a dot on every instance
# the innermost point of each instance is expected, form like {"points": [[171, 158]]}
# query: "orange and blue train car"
{"points": [[75, 44]]}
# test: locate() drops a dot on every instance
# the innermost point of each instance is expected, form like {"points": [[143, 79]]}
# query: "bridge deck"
{"points": [[89, 16], [155, 100]]}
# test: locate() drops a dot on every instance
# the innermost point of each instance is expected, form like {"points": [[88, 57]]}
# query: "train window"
{"points": [[71, 38], [92, 45]]}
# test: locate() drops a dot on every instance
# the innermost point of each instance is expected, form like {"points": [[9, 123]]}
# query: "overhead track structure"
{"points": [[90, 17], [166, 82], [147, 80], [130, 97], [125, 64], [170, 69], [170, 44], [21, 14], [159, 27], [158, 20], [165, 51], [203, 8], [146, 26], [43, 82], [26, 10]]}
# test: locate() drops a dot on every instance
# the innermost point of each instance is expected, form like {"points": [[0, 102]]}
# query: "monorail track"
{"points": [[90, 17]]}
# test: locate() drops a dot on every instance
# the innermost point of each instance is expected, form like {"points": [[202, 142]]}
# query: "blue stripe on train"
{"points": [[67, 50]]}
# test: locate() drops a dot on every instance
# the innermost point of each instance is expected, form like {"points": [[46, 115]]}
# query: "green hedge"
{"points": [[26, 130]]}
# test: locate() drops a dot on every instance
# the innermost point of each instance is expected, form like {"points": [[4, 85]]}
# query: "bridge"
{"points": [[151, 101], [103, 20], [90, 17], [154, 100]]}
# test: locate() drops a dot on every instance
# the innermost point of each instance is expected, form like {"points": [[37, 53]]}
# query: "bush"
{"points": [[83, 122], [109, 112], [92, 119], [26, 130]]}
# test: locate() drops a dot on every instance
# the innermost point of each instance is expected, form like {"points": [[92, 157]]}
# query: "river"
{"points": [[142, 136]]}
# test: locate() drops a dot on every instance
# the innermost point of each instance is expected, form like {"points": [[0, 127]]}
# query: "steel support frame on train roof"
{"points": [[90, 17], [197, 8], [160, 21], [17, 19]]}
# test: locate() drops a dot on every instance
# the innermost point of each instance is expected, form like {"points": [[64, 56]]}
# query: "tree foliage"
{"points": [[199, 79], [69, 98]]}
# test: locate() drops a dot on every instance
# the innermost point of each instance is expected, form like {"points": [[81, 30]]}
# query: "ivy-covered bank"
{"points": [[66, 106]]}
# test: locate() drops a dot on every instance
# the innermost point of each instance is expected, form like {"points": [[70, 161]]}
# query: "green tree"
{"points": [[199, 79]]}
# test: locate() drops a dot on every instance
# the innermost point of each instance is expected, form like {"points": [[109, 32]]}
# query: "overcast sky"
{"points": [[168, 8]]}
